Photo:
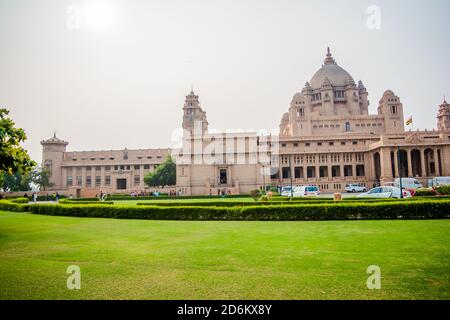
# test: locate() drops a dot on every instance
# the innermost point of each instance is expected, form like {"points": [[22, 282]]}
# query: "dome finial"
{"points": [[329, 59]]}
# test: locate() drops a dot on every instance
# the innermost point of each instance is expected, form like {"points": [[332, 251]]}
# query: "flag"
{"points": [[409, 121]]}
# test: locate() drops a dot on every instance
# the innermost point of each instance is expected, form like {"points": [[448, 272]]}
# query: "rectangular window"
{"points": [[69, 181], [88, 181], [107, 181], [360, 171], [335, 171], [146, 166], [311, 172], [323, 172], [137, 167], [348, 171], [137, 180], [79, 181], [98, 181], [286, 173], [298, 172]]}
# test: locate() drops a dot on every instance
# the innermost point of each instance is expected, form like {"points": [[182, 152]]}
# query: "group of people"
{"points": [[34, 197], [220, 192], [171, 193]]}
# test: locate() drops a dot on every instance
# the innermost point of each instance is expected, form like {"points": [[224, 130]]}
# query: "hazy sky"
{"points": [[115, 75]]}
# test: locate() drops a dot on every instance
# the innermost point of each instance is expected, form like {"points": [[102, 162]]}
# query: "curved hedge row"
{"points": [[313, 212], [165, 197], [87, 201]]}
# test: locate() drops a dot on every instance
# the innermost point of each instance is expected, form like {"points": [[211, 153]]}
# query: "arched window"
{"points": [[347, 127]]}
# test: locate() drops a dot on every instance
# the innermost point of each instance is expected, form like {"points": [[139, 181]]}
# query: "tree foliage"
{"points": [[15, 182], [13, 158], [164, 175], [41, 178]]}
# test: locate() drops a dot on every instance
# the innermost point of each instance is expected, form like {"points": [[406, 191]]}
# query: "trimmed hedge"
{"points": [[84, 200], [125, 197], [300, 212], [444, 190], [6, 205], [71, 201], [20, 200]]}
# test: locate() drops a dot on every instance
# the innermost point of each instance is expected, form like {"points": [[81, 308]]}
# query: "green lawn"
{"points": [[131, 259]]}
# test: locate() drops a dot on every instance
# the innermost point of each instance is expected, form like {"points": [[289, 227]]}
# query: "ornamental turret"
{"points": [[443, 117], [194, 118]]}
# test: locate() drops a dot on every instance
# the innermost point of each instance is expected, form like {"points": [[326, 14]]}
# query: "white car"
{"points": [[286, 192], [386, 192], [352, 188], [408, 183], [306, 191]]}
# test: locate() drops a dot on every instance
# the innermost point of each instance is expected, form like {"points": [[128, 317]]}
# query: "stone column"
{"points": [[385, 161], [396, 163], [74, 177], [103, 175], [64, 178], [436, 163], [410, 170], [292, 163], [83, 177], [423, 162], [142, 175]]}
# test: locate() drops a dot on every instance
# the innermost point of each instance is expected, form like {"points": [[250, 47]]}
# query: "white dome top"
{"points": [[337, 76]]}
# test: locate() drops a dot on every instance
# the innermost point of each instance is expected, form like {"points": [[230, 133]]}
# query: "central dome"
{"points": [[337, 76]]}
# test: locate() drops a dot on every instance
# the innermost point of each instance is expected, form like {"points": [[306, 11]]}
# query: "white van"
{"points": [[441, 181], [408, 183]]}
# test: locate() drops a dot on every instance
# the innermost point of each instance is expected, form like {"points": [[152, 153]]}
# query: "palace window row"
{"points": [[323, 172]]}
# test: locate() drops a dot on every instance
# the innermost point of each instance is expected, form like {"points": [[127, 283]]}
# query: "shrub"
{"points": [[291, 212], [20, 200], [166, 197], [6, 205], [425, 193], [443, 190], [255, 194]]}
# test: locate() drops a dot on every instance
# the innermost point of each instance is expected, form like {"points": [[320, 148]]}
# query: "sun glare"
{"points": [[99, 15]]}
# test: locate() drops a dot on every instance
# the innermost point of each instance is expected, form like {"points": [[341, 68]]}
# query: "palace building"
{"points": [[327, 138]]}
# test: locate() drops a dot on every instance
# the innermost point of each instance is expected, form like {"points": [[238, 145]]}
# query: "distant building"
{"points": [[327, 138], [90, 172]]}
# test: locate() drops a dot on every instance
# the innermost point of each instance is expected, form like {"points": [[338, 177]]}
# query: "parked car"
{"points": [[408, 183], [440, 181], [352, 188], [385, 192], [306, 191], [286, 191]]}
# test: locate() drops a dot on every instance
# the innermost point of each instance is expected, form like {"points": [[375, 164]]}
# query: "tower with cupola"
{"points": [[443, 117], [194, 118]]}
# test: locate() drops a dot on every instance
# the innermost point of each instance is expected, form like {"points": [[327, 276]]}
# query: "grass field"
{"points": [[129, 259]]}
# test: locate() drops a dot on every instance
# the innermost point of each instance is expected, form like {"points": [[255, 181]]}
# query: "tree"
{"points": [[164, 175], [15, 182], [13, 158], [41, 178]]}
